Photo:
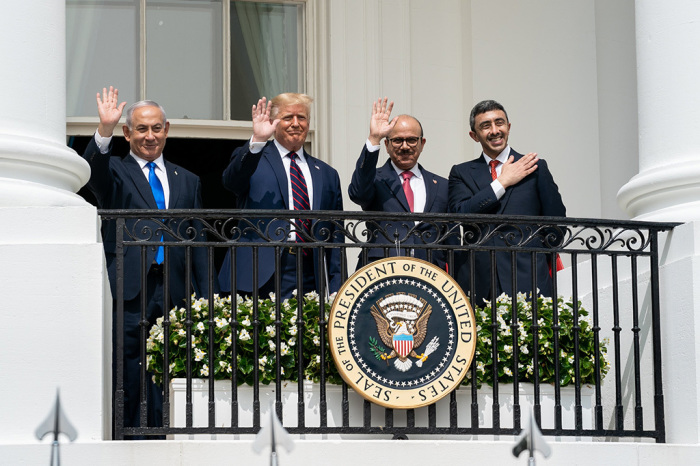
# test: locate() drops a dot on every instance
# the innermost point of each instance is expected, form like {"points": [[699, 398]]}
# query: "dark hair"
{"points": [[483, 107]]}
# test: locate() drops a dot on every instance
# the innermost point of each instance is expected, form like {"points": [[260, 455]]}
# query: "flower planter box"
{"points": [[311, 398]]}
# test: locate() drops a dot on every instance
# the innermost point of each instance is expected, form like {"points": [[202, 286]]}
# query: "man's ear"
{"points": [[127, 133], [472, 134]]}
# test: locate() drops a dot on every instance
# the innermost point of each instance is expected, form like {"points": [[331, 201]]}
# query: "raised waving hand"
{"points": [[109, 110], [380, 124]]}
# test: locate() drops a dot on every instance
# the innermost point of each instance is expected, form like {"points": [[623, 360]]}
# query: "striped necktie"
{"points": [[300, 195]]}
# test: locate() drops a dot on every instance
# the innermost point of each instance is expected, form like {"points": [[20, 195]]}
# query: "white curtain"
{"points": [[271, 41]]}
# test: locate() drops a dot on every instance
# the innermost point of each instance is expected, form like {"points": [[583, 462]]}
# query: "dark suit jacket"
{"points": [[536, 195], [260, 182], [120, 184], [380, 190]]}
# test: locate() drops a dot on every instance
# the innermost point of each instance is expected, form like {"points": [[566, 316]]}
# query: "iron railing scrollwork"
{"points": [[612, 269]]}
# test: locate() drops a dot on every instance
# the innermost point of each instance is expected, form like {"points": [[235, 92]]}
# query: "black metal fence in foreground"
{"points": [[588, 364]]}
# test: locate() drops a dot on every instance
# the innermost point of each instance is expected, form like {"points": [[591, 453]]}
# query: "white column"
{"points": [[54, 333], [667, 187], [36, 167]]}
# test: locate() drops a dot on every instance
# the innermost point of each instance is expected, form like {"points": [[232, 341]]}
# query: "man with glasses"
{"points": [[400, 185], [502, 181]]}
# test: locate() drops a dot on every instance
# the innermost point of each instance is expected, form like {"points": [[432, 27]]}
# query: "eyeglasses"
{"points": [[398, 142]]}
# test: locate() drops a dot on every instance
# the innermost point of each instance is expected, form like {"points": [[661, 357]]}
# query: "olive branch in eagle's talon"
{"points": [[377, 349]]}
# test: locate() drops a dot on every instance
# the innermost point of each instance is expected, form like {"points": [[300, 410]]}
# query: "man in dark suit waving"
{"points": [[400, 185], [502, 181], [279, 174], [142, 179]]}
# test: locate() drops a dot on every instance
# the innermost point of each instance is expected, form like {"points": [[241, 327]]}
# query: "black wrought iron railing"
{"points": [[600, 340]]}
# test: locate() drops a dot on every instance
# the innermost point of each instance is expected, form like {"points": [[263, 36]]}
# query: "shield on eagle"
{"points": [[403, 344]]}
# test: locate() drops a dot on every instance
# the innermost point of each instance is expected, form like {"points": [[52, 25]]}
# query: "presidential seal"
{"points": [[402, 332]]}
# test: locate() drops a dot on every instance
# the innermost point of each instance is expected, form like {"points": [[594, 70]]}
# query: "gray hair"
{"points": [[139, 104], [483, 107]]}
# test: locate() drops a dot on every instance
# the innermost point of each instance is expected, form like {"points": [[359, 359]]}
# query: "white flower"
{"points": [[508, 349], [317, 341], [171, 367], [507, 371], [200, 327], [293, 330], [272, 296], [204, 371], [182, 332], [292, 341], [270, 329], [220, 323], [246, 322], [261, 362], [199, 354], [524, 349], [284, 349], [243, 335], [317, 358], [228, 340], [271, 344]]}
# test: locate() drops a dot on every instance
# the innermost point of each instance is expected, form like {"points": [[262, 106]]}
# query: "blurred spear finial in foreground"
{"points": [[531, 439], [56, 423], [273, 434]]}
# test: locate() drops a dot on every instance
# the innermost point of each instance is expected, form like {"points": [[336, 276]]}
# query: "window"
{"points": [[200, 59]]}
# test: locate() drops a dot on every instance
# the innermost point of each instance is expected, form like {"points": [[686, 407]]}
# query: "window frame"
{"points": [[227, 128]]}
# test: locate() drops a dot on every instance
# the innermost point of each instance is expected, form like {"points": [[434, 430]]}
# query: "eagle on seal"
{"points": [[402, 323]]}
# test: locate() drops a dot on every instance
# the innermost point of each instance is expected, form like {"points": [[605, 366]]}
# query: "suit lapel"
{"points": [[389, 177], [431, 188], [506, 197], [480, 173], [140, 181], [273, 157], [174, 180], [316, 180]]}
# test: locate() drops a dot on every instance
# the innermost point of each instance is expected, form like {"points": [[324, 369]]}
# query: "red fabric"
{"points": [[494, 164], [407, 187]]}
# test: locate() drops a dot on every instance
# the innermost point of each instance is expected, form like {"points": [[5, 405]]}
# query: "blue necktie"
{"points": [[300, 195], [159, 195]]}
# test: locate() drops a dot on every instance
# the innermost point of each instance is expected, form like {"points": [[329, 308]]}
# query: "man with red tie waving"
{"points": [[400, 185], [280, 174], [502, 181]]}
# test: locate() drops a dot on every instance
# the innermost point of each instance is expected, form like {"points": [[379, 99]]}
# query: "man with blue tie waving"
{"points": [[142, 180], [279, 174]]}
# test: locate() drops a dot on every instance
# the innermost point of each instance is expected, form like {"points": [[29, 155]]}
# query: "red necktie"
{"points": [[494, 164], [407, 187]]}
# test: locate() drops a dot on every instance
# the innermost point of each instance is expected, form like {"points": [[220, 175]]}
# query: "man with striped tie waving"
{"points": [[280, 174]]}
